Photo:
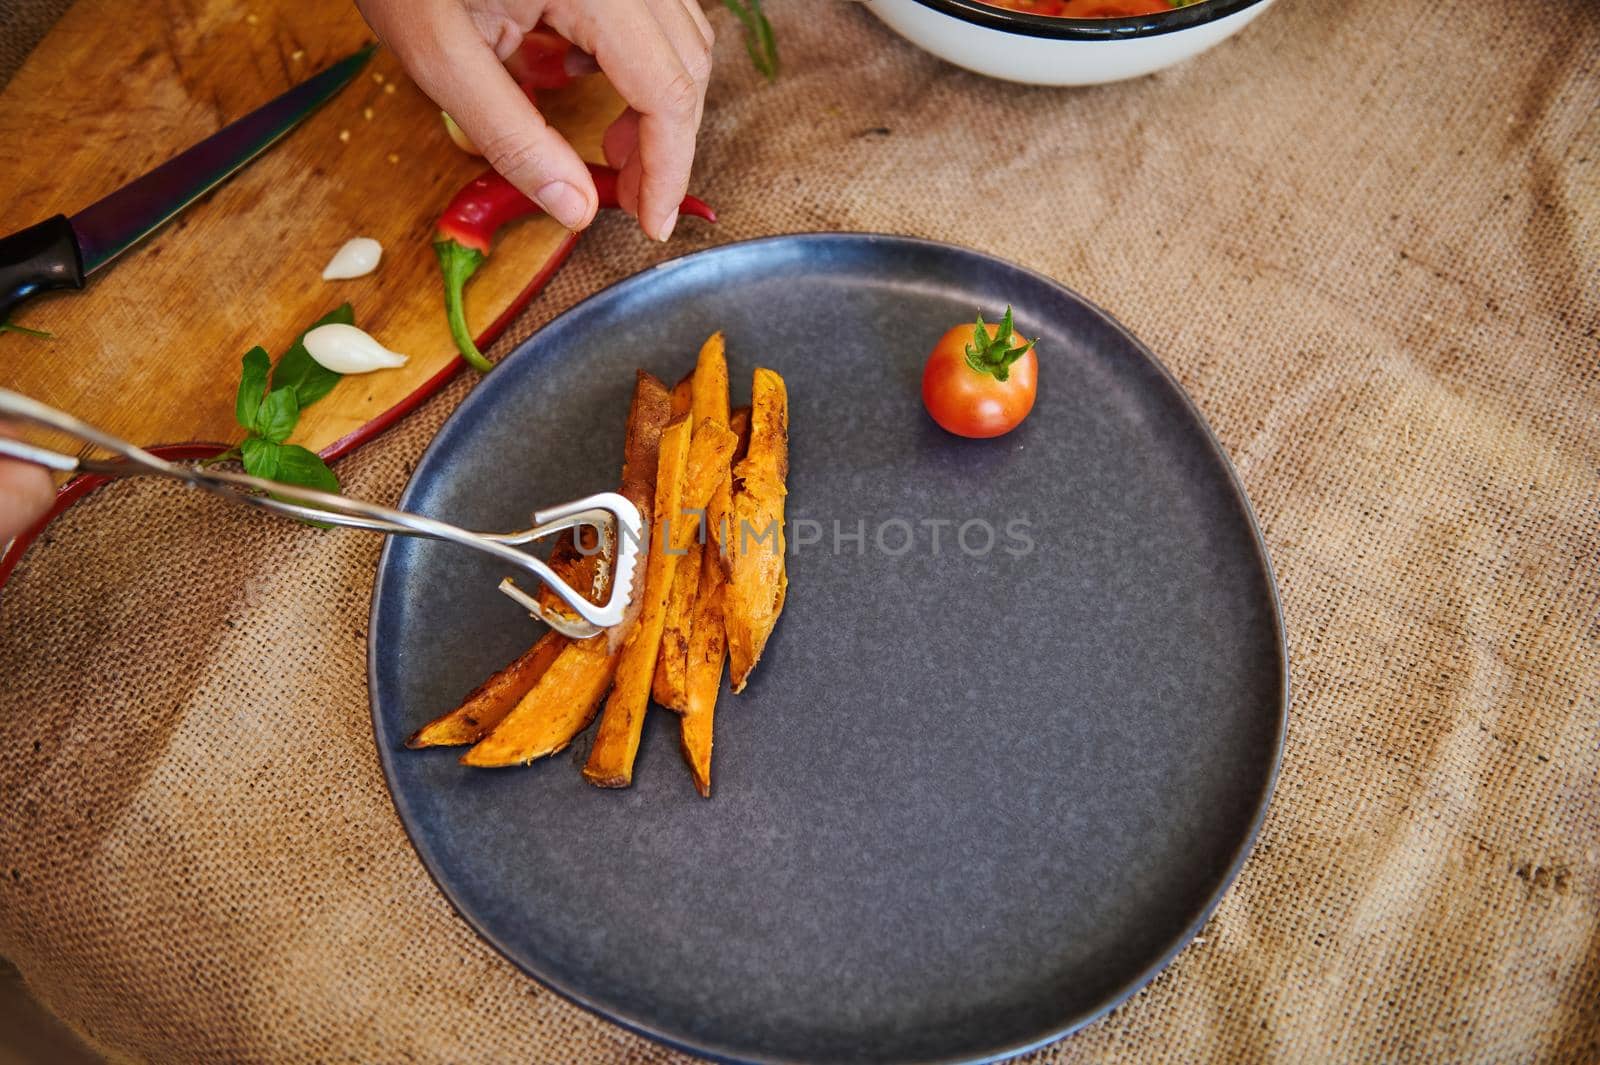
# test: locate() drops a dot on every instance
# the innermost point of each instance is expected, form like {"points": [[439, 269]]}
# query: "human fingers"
{"points": [[636, 52], [455, 57], [26, 494], [620, 145]]}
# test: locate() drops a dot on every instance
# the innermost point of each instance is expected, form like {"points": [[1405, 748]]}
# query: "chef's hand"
{"points": [[26, 493], [657, 53]]}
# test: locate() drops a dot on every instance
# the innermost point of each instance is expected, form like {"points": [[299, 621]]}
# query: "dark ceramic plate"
{"points": [[972, 798]]}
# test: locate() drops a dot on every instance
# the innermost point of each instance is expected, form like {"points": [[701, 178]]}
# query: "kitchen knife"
{"points": [[62, 252]]}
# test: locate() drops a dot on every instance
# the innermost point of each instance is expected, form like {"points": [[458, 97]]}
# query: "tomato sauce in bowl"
{"points": [[1089, 8], [1066, 42]]}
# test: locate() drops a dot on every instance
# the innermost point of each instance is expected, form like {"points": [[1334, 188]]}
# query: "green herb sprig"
{"points": [[268, 406], [758, 38], [994, 355]]}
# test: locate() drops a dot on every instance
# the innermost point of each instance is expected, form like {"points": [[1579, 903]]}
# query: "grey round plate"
{"points": [[973, 797]]}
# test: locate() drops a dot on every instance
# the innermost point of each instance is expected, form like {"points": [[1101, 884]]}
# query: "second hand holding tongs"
{"points": [[612, 515]]}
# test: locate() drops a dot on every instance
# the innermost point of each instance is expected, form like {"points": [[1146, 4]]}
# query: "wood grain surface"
{"points": [[150, 349]]}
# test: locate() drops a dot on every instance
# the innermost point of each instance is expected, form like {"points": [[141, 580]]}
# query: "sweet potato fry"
{"points": [[490, 701], [587, 569], [709, 458], [707, 651], [739, 425], [709, 405], [683, 405], [757, 581], [563, 700], [647, 417], [487, 704], [708, 384], [669, 685], [558, 707], [584, 570], [616, 743], [708, 644], [683, 397]]}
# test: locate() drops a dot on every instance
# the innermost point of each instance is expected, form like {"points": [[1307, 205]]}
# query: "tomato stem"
{"points": [[994, 355]]}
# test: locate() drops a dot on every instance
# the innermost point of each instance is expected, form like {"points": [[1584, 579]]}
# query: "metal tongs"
{"points": [[615, 519]]}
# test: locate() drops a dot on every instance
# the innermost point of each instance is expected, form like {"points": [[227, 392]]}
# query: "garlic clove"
{"points": [[346, 349], [358, 257], [458, 135]]}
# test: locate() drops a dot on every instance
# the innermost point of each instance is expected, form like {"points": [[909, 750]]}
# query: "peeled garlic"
{"points": [[346, 349], [458, 135], [358, 257]]}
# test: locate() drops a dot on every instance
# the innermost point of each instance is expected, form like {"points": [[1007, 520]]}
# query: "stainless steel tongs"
{"points": [[616, 519]]}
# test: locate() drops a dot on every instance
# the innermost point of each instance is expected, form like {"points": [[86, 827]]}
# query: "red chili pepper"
{"points": [[467, 228], [540, 61]]}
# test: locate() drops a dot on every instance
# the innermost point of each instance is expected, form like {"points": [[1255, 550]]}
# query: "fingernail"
{"points": [[563, 203], [667, 226]]}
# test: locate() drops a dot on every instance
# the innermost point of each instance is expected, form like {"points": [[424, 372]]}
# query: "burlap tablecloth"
{"points": [[1365, 235]]}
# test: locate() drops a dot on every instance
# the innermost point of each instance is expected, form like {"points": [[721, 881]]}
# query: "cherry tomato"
{"points": [[980, 390]]}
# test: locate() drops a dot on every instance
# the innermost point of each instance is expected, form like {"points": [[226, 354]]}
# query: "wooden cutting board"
{"points": [[150, 349]]}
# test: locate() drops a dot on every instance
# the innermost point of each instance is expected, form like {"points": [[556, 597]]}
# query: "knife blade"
{"points": [[61, 252]]}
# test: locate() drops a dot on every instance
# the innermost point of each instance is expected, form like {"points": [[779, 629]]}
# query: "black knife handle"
{"points": [[40, 257]]}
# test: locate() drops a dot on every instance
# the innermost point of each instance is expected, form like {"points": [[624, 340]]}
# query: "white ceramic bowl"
{"points": [[1045, 50]]}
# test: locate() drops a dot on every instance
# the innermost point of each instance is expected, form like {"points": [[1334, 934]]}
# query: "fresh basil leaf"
{"points": [[252, 382], [260, 457], [768, 64], [759, 41], [299, 371], [297, 465], [279, 412]]}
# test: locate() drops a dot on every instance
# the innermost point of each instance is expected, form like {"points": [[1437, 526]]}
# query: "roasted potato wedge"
{"points": [[683, 397], [707, 651], [584, 569], [709, 459], [491, 701], [739, 425], [685, 477], [709, 405], [708, 644], [587, 568], [545, 718], [648, 415], [556, 709], [758, 580], [710, 456], [616, 743], [669, 688]]}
